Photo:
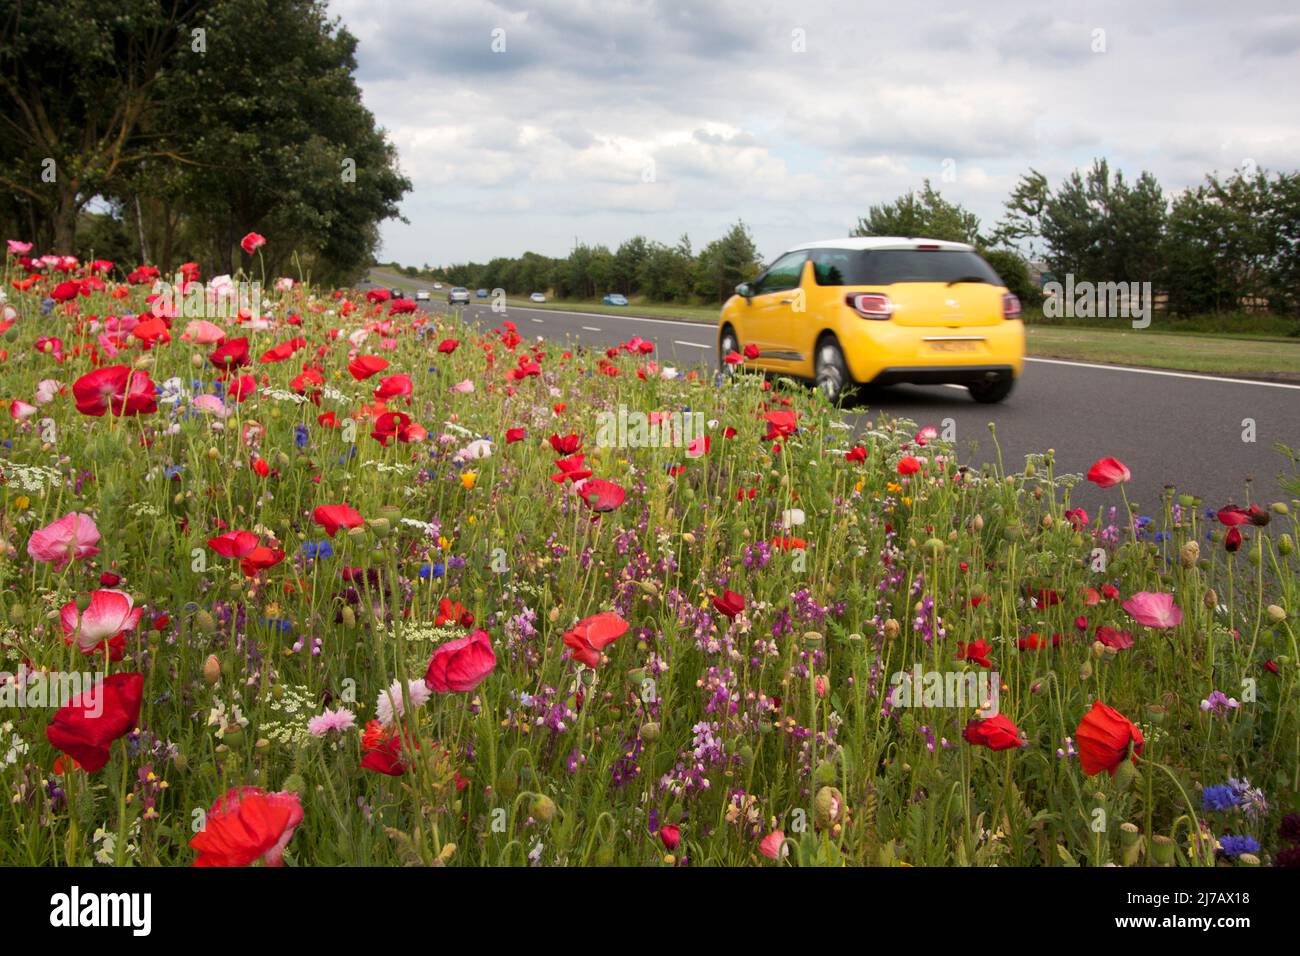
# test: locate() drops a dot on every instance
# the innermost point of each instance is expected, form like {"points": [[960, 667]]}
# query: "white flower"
{"points": [[391, 705], [792, 518]]}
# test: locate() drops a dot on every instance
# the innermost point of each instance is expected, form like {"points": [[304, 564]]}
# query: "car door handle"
{"points": [[787, 301]]}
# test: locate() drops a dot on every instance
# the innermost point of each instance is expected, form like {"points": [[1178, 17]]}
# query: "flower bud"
{"points": [[1276, 613], [542, 808], [212, 669], [828, 806], [650, 730], [1190, 554], [1211, 600], [891, 629], [1285, 545]]}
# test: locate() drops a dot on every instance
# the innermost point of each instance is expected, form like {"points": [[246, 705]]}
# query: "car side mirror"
{"points": [[745, 291]]}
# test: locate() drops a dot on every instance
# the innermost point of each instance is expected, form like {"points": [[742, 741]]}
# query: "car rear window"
{"points": [[887, 266]]}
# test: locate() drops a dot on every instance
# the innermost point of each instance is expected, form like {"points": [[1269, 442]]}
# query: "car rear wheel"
{"points": [[987, 393], [832, 373], [727, 343]]}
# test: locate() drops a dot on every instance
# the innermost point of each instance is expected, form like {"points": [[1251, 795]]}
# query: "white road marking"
{"points": [[538, 321], [1157, 371], [591, 328], [695, 345]]}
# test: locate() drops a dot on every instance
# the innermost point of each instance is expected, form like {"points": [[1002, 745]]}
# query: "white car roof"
{"points": [[882, 242]]}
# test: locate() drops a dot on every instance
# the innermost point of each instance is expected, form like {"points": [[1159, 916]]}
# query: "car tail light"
{"points": [[929, 248], [1010, 307], [870, 305]]}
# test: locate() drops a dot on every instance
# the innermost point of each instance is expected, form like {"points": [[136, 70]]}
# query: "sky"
{"points": [[531, 126]]}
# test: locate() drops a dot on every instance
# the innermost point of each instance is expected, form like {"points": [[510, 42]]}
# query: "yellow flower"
{"points": [[467, 479], [22, 502]]}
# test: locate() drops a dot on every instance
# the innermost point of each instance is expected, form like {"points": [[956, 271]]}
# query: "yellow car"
{"points": [[878, 311]]}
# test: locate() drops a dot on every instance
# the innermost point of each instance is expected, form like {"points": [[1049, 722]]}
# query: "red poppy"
{"points": [[390, 425], [1108, 472], [1232, 515], [1232, 540], [593, 634], [447, 346], [284, 350], [247, 825], [230, 354], [381, 749], [571, 469], [1104, 739], [1078, 518], [453, 613], [856, 454], [996, 733], [333, 517], [566, 445], [234, 544], [733, 358], [730, 603], [394, 386], [86, 726], [242, 387], [117, 389], [908, 465], [461, 665], [259, 559], [364, 366], [600, 495], [1113, 637], [670, 835], [780, 424], [252, 242], [752, 351], [515, 434], [976, 652]]}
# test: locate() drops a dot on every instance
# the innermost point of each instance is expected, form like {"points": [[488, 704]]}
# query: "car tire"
{"points": [[830, 371], [989, 393], [728, 342]]}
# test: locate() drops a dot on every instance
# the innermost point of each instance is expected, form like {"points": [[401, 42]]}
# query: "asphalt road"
{"points": [[1170, 428]]}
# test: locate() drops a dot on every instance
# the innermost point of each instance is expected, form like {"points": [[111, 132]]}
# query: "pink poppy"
{"points": [[202, 332], [72, 537], [1154, 609], [109, 615], [252, 242], [461, 665]]}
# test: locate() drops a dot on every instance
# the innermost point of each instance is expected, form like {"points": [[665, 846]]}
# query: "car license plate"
{"points": [[953, 346]]}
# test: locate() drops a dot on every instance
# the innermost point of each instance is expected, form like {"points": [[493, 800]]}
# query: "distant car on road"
{"points": [[537, 297], [615, 298], [437, 285], [422, 295], [481, 293], [458, 296]]}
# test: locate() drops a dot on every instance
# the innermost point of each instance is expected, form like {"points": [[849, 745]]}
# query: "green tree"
{"points": [[725, 263], [924, 214]]}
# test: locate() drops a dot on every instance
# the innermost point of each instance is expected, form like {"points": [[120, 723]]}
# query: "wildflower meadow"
{"points": [[311, 577]]}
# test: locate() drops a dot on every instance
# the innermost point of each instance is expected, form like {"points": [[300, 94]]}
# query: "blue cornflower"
{"points": [[315, 550], [433, 571], [1237, 845], [300, 436], [173, 471], [1219, 798]]}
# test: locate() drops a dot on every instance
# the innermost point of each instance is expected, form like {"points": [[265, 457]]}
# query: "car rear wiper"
{"points": [[968, 279]]}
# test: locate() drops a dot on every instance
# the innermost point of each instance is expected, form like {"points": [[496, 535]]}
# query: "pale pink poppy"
{"points": [[17, 248], [72, 537], [202, 332], [109, 614], [21, 411], [771, 847], [1154, 609], [463, 387], [212, 405]]}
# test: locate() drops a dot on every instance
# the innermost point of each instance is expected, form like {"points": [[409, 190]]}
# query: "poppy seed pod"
{"points": [[1276, 613], [1211, 599], [891, 629], [1162, 850], [212, 669], [1189, 554]]}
